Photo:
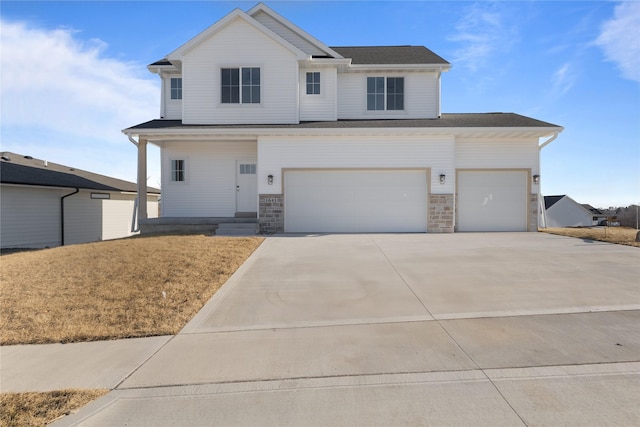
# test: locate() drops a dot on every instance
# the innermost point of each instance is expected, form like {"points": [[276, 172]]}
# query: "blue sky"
{"points": [[74, 74]]}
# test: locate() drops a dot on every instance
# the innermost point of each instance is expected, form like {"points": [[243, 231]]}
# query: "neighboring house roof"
{"points": [[552, 200], [592, 209], [371, 55], [25, 170], [468, 120]]}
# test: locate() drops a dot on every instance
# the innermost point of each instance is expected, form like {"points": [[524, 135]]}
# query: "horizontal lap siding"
{"points": [[30, 217], [421, 96], [276, 154], [497, 153], [322, 106], [173, 107], [239, 45], [83, 218], [210, 186]]}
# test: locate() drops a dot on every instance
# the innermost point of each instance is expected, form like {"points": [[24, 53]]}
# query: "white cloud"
{"points": [[620, 39], [481, 32], [63, 95], [563, 79]]}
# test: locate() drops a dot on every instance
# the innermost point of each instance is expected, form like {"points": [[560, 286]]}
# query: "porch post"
{"points": [[142, 179]]}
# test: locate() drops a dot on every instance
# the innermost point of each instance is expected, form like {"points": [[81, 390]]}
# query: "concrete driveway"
{"points": [[488, 329]]}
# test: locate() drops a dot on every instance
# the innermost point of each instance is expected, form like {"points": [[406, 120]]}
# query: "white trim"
{"points": [[177, 54]]}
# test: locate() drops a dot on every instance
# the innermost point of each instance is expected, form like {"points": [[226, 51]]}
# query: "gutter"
{"points": [[543, 215], [62, 215], [135, 227]]}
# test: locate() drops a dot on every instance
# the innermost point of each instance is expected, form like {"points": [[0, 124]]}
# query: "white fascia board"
{"points": [[204, 133], [177, 54], [400, 67], [158, 69], [261, 7]]}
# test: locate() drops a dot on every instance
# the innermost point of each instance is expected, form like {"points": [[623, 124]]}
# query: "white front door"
{"points": [[246, 186]]}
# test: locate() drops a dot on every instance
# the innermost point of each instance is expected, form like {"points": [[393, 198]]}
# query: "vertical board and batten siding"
{"points": [[287, 34], [361, 152], [210, 186], [421, 96], [321, 107], [30, 217], [172, 107], [239, 45]]}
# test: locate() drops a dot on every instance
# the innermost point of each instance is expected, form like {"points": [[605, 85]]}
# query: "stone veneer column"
{"points": [[440, 213], [271, 213], [533, 212]]}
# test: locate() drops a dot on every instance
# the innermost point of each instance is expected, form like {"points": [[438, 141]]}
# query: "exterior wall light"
{"points": [[536, 179], [442, 178], [270, 179]]}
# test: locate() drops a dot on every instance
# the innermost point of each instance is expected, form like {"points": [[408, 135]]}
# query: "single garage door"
{"points": [[492, 201], [355, 201]]}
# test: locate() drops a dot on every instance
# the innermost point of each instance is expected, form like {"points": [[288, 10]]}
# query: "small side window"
{"points": [[313, 83], [177, 170], [176, 88]]}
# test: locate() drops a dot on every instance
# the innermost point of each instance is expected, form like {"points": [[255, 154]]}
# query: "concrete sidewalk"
{"points": [[463, 329]]}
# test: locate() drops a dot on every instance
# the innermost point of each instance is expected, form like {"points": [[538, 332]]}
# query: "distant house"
{"points": [[563, 211], [44, 204]]}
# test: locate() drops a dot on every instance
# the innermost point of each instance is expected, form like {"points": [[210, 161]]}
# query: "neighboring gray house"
{"points": [[563, 211], [44, 204], [259, 119]]}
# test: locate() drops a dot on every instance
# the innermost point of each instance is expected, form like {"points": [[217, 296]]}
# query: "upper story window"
{"points": [[313, 83], [385, 93], [176, 88], [240, 85], [177, 170]]}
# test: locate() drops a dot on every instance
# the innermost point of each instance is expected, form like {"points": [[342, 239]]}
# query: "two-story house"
{"points": [[260, 119]]}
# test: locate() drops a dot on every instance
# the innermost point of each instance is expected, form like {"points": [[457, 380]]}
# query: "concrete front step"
{"points": [[237, 229]]}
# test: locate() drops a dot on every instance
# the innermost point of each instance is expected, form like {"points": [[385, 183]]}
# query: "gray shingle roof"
{"points": [[18, 169], [371, 55], [469, 120]]}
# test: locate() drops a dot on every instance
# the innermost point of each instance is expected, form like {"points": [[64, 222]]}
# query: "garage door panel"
{"points": [[492, 201], [355, 201]]}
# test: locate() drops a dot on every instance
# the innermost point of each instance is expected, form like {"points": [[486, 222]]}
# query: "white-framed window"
{"points": [[240, 85], [176, 88], [248, 169], [313, 83], [385, 93], [178, 171]]}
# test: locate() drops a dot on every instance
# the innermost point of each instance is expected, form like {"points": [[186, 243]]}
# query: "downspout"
{"points": [[62, 215], [134, 220], [543, 215]]}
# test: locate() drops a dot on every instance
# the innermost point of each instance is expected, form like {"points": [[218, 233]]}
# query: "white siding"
{"points": [[30, 217], [83, 218], [239, 45], [421, 96], [321, 107], [210, 186], [287, 34], [172, 107], [276, 153], [499, 154], [567, 213]]}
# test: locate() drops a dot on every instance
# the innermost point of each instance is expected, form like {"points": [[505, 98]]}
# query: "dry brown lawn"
{"points": [[620, 235], [135, 287], [39, 409]]}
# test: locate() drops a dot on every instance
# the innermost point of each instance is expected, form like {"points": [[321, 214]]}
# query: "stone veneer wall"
{"points": [[271, 213], [440, 213], [533, 212]]}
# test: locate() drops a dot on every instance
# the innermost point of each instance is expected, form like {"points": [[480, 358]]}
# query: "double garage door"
{"points": [[357, 201], [360, 201]]}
